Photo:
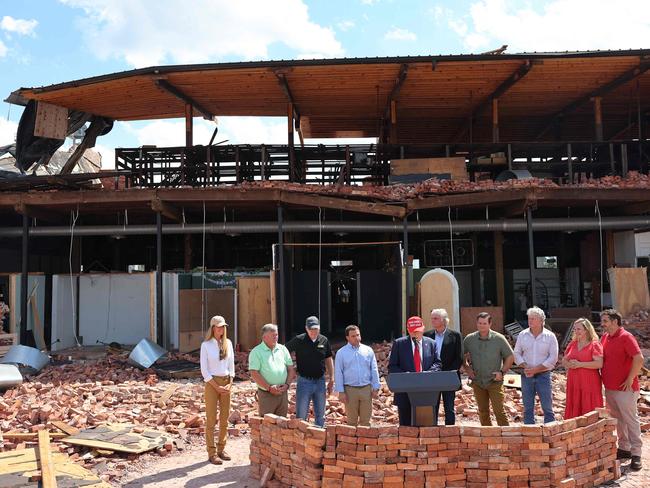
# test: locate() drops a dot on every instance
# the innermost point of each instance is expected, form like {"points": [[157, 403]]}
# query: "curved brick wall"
{"points": [[577, 452]]}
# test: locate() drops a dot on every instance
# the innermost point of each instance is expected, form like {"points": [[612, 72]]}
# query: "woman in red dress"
{"points": [[583, 358]]}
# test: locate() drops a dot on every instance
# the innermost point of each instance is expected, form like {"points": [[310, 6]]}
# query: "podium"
{"points": [[423, 388]]}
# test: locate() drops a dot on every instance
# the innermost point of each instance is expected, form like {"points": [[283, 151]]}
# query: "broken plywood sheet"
{"points": [[121, 438], [51, 121], [629, 289], [18, 466]]}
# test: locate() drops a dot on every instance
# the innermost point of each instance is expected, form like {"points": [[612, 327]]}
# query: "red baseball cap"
{"points": [[415, 324]]}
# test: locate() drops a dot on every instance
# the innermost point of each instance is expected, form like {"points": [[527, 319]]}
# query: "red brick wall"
{"points": [[578, 452]]}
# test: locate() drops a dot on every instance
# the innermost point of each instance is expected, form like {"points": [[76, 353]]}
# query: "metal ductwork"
{"points": [[355, 227]]}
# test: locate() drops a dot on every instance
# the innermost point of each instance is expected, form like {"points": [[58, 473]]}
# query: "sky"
{"points": [[52, 41]]}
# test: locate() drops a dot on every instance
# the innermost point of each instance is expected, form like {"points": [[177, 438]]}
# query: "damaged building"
{"points": [[524, 177]]}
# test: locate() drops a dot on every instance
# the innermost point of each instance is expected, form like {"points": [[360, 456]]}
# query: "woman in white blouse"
{"points": [[218, 370]]}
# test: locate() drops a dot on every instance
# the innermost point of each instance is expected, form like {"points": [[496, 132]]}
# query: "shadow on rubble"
{"points": [[224, 475]]}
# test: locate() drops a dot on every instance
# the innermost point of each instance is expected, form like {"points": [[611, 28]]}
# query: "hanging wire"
{"points": [[203, 275], [320, 255], [73, 221], [451, 240], [600, 234]]}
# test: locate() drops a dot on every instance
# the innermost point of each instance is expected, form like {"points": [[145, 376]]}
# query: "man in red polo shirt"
{"points": [[622, 362]]}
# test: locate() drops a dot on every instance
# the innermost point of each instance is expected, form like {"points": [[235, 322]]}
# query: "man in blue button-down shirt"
{"points": [[356, 377]]}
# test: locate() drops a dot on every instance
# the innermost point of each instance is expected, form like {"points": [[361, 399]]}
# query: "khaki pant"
{"points": [[270, 403], [358, 408], [212, 398], [492, 394], [622, 406]]}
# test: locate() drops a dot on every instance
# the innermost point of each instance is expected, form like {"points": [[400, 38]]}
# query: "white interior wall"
{"points": [[63, 325], [170, 309], [115, 307]]}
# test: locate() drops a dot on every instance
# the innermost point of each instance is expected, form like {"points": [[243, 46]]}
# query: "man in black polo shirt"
{"points": [[313, 359]]}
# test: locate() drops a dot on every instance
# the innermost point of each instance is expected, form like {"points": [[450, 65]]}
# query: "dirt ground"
{"points": [[191, 469]]}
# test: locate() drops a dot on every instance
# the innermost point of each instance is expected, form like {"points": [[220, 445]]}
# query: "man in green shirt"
{"points": [[488, 357], [272, 369]]}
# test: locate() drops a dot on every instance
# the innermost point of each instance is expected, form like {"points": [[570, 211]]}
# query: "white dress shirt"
{"points": [[538, 350], [419, 343], [211, 365]]}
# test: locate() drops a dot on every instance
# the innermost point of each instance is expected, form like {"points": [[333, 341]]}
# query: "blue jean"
{"points": [[448, 398], [540, 385], [308, 390]]}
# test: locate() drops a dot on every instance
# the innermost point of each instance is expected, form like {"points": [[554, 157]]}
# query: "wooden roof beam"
{"points": [[284, 85], [168, 210], [508, 83], [629, 75], [171, 89], [311, 200], [635, 208], [37, 213], [394, 93], [517, 209]]}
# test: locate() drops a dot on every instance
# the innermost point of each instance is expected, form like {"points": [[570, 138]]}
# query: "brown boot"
{"points": [[214, 459], [224, 455]]}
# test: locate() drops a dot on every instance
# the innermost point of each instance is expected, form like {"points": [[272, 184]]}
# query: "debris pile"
{"points": [[435, 186]]}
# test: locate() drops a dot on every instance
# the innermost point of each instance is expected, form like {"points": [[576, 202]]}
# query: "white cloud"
{"points": [[345, 25], [553, 27], [108, 156], [208, 31], [3, 49], [8, 131], [369, 2], [237, 130], [397, 34], [18, 26]]}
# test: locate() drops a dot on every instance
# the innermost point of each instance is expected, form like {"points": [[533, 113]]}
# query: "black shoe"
{"points": [[635, 465], [622, 454]]}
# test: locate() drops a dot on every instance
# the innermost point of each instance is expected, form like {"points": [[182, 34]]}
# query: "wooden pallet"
{"points": [[6, 341]]}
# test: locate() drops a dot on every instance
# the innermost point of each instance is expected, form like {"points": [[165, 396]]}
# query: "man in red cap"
{"points": [[413, 354]]}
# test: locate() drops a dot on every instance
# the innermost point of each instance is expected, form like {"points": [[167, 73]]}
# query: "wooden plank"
{"points": [[455, 166], [311, 200], [167, 394], [48, 476], [30, 435], [190, 341], [253, 308], [63, 427], [218, 301]]}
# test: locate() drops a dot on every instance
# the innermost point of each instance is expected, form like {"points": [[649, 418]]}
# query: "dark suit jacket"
{"points": [[401, 361], [451, 355], [452, 349]]}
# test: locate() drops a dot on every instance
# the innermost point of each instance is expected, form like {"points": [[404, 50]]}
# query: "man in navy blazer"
{"points": [[413, 354]]}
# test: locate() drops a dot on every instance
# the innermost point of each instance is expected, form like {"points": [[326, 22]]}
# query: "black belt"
{"points": [[310, 378]]}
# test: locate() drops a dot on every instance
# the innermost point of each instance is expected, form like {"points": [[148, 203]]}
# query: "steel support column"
{"points": [[159, 298], [281, 290], [23, 281], [531, 254]]}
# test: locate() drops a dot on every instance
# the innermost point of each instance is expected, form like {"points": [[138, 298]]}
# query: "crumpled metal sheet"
{"points": [[9, 376], [28, 356], [146, 353]]}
